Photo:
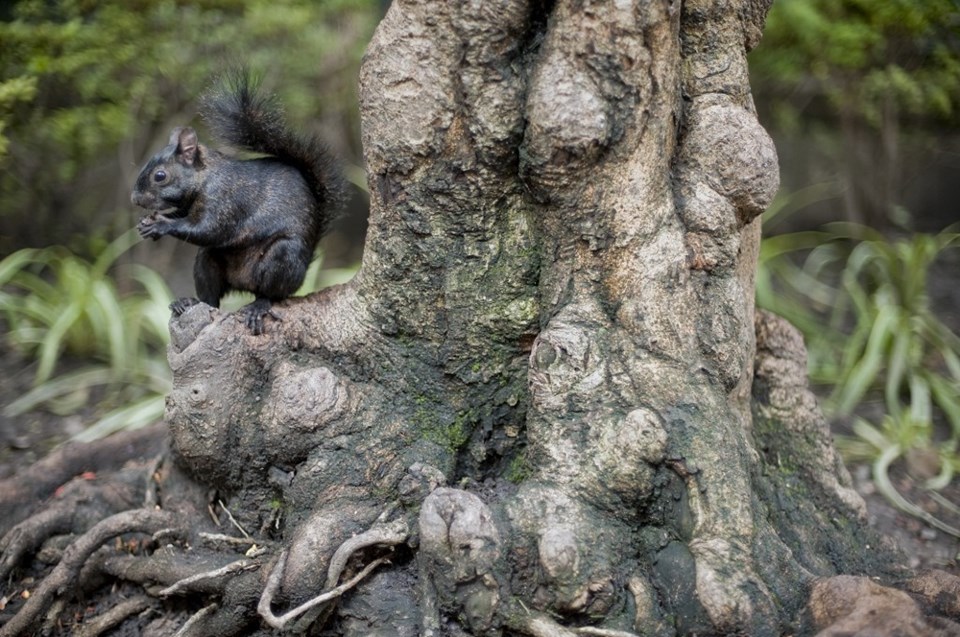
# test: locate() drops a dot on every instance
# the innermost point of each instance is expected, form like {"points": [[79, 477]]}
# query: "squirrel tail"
{"points": [[242, 116]]}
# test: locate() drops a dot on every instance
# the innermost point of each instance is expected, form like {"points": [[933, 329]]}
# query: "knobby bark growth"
{"points": [[545, 406]]}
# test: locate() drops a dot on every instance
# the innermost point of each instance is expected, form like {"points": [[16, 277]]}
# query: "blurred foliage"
{"points": [[89, 89], [55, 304], [862, 56], [861, 301], [864, 90]]}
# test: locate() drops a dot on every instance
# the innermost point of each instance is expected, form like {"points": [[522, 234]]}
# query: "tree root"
{"points": [[390, 534], [541, 625], [603, 632], [67, 572], [25, 537], [162, 570], [185, 585], [37, 482], [230, 540], [116, 615], [538, 625], [266, 600], [79, 505], [197, 617]]}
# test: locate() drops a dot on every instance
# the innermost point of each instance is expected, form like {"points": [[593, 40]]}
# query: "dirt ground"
{"points": [[924, 546]]}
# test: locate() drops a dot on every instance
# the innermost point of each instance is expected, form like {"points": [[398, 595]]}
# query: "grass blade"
{"points": [[140, 414], [51, 389], [881, 477]]}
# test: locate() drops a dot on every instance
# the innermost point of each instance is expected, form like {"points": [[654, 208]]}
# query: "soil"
{"points": [[924, 546]]}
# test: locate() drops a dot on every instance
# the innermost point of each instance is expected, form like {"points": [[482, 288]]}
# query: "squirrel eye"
{"points": [[159, 176]]}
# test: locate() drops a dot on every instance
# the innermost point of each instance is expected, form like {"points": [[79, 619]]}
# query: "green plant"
{"points": [[861, 301], [875, 58], [90, 89], [55, 303], [897, 343]]}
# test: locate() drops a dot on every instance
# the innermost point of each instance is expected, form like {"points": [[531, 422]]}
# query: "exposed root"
{"points": [[233, 521], [79, 504], [603, 632], [538, 625], [186, 583], [195, 619], [172, 533], [53, 615], [67, 572], [220, 538], [115, 616], [273, 583], [541, 625], [165, 568], [23, 493], [390, 534], [31, 533]]}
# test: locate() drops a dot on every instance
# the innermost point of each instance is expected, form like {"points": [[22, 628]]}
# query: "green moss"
{"points": [[452, 436], [519, 469]]}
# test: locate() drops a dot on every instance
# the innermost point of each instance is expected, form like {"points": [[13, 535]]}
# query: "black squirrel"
{"points": [[257, 221]]}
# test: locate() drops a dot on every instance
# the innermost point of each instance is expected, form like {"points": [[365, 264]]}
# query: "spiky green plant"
{"points": [[57, 304], [861, 301]]}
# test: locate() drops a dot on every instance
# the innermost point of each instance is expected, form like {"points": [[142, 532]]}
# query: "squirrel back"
{"points": [[241, 116]]}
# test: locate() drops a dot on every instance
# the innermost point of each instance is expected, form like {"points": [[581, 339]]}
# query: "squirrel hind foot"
{"points": [[180, 306], [254, 314]]}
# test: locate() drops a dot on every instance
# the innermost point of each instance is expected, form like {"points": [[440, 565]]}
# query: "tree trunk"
{"points": [[547, 389]]}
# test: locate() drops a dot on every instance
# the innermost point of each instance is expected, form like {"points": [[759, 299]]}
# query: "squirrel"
{"points": [[257, 221]]}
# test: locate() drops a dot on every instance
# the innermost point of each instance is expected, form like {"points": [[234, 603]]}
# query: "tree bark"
{"points": [[546, 394], [555, 313]]}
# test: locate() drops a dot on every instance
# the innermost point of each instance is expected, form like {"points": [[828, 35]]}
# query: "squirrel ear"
{"points": [[187, 146], [175, 136]]}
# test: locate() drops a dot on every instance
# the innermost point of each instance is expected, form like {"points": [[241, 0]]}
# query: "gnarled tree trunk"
{"points": [[547, 392]]}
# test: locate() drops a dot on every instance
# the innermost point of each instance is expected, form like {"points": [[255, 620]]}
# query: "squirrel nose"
{"points": [[140, 199]]}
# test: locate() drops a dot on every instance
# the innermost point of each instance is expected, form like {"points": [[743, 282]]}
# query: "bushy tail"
{"points": [[240, 115]]}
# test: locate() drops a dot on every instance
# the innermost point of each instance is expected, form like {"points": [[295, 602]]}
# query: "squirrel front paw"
{"points": [[152, 227]]}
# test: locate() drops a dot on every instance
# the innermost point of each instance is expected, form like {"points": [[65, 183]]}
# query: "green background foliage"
{"points": [[868, 58], [865, 93], [89, 89]]}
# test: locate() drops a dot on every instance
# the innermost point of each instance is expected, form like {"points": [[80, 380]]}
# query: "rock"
{"points": [[850, 605], [939, 590]]}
